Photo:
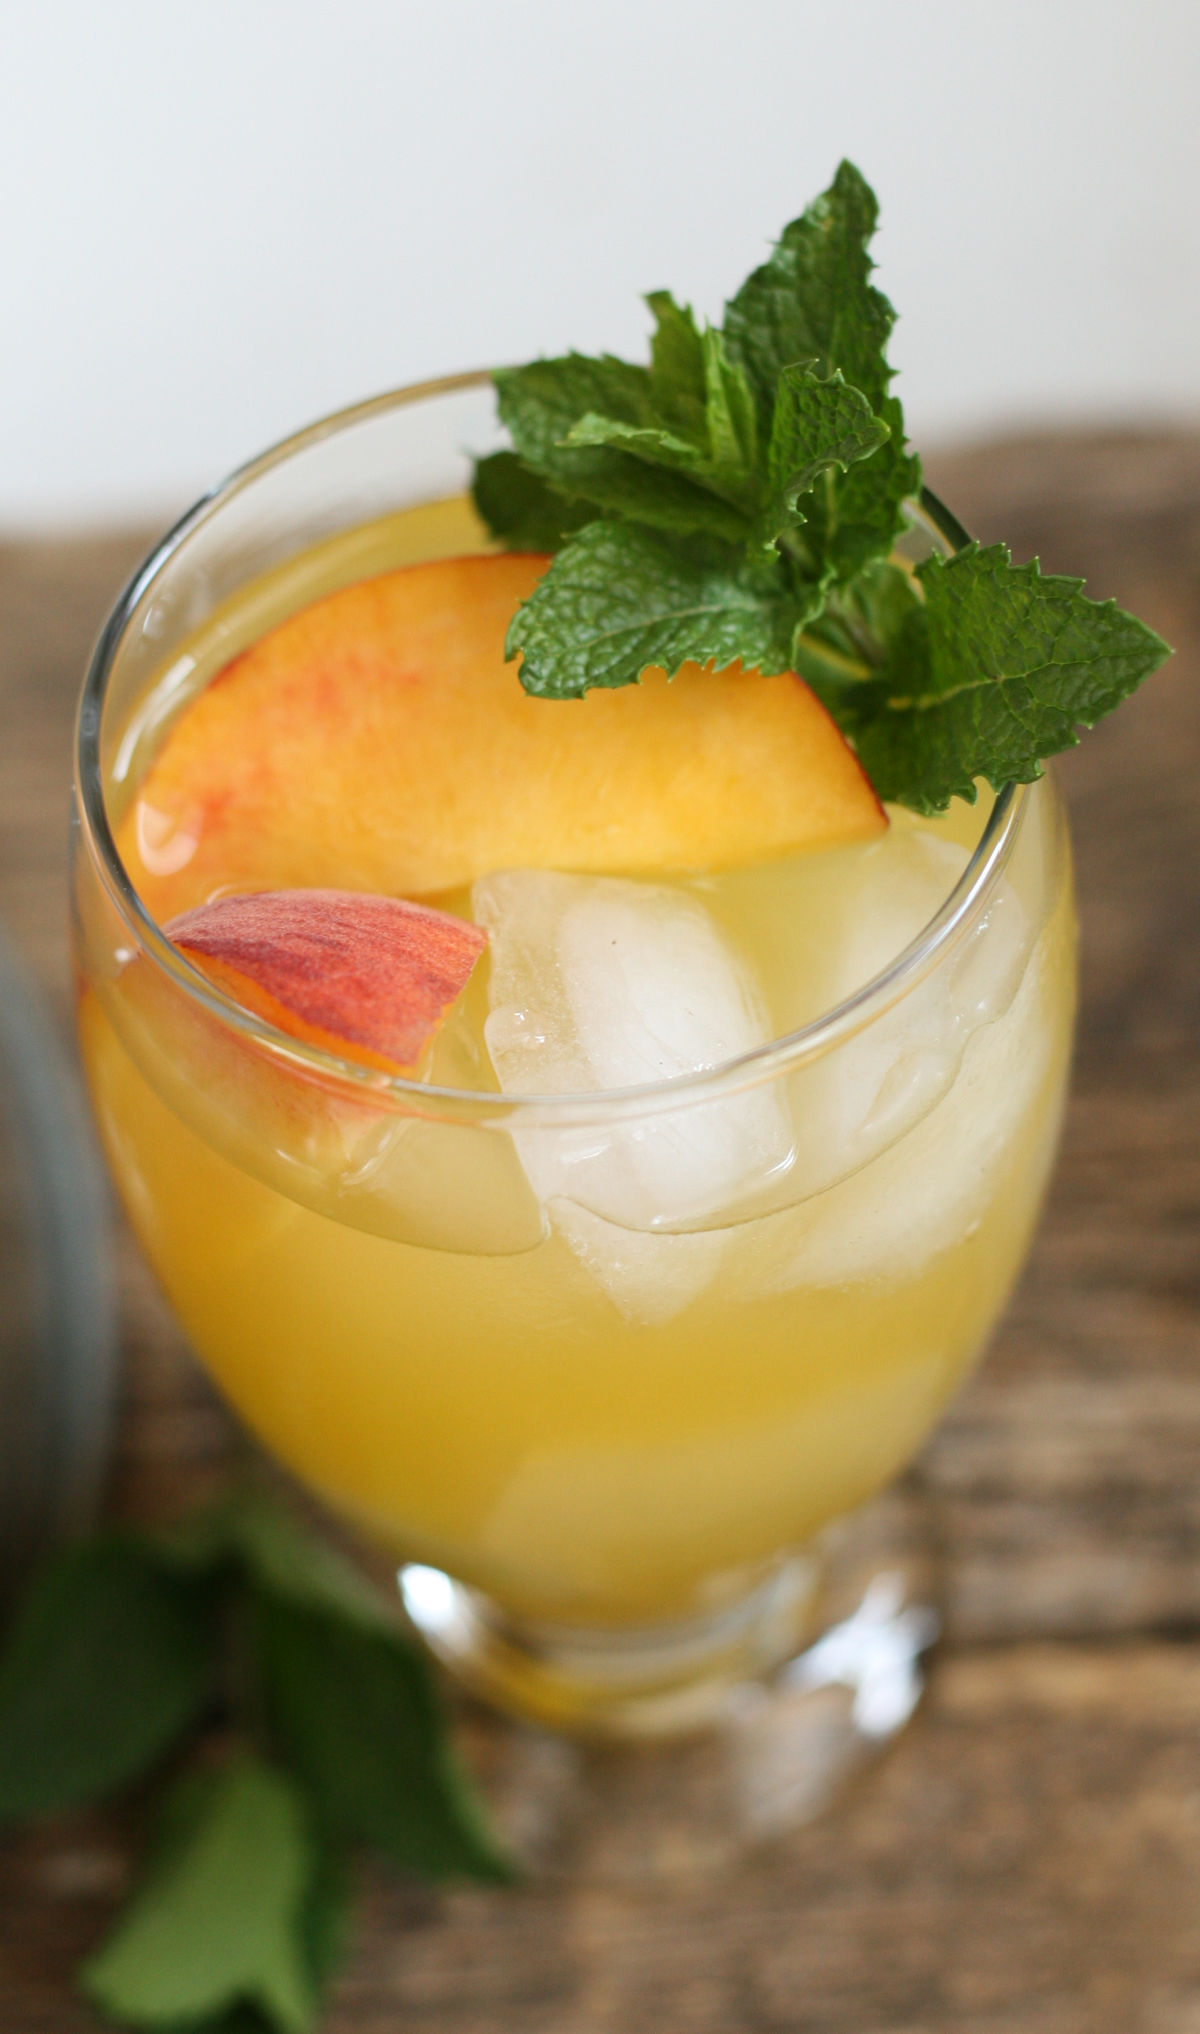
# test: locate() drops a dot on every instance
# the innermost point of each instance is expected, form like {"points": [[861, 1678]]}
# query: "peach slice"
{"points": [[366, 976], [378, 740]]}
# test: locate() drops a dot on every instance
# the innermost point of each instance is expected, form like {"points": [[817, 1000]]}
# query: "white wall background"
{"points": [[219, 220]]}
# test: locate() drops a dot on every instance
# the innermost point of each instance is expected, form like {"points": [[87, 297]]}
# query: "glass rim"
{"points": [[962, 906]]}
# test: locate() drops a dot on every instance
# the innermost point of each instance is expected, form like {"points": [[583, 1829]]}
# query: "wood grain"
{"points": [[1028, 1855]]}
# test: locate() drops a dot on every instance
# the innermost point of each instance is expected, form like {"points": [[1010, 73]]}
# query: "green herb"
{"points": [[218, 1921], [110, 1663], [998, 661], [328, 1732], [739, 499]]}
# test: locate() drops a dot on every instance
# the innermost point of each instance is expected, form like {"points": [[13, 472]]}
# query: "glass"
{"points": [[609, 1492]]}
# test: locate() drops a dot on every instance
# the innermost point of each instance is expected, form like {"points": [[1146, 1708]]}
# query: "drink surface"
{"points": [[607, 1372]]}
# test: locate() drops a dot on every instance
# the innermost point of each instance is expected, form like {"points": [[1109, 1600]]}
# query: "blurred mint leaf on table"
{"points": [[108, 1663], [319, 1729], [348, 1698], [355, 1716], [217, 1921], [739, 498]]}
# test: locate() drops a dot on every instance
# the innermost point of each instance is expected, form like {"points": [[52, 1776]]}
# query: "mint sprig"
{"points": [[739, 499], [307, 1722], [999, 660]]}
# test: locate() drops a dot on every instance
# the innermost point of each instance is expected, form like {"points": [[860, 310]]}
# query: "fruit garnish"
{"points": [[739, 498], [366, 976], [377, 740]]}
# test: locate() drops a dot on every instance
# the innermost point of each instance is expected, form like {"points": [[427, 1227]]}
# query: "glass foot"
{"points": [[656, 1682], [688, 1746]]}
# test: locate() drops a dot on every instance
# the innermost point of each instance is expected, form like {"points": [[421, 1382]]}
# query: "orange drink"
{"points": [[672, 1244]]}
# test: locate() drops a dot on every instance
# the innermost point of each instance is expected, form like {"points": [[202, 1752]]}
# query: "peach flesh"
{"points": [[377, 740]]}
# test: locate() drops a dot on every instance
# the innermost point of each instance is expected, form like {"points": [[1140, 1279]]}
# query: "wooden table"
{"points": [[1028, 1857]]}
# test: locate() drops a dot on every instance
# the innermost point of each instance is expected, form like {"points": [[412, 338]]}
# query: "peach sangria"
{"points": [[577, 968]]}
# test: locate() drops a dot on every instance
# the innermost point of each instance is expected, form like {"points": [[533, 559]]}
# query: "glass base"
{"points": [[644, 1682], [673, 1749]]}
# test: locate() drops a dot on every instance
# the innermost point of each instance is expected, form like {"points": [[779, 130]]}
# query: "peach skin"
{"points": [[369, 977]]}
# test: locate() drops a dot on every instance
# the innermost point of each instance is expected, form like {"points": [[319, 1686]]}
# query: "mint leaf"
{"points": [[627, 458], [350, 1699], [322, 1920], [859, 519], [998, 670], [713, 443], [524, 511], [653, 443], [326, 1917], [540, 403], [356, 1713], [677, 371], [619, 599], [820, 425], [108, 1663], [255, 1536], [220, 1918], [627, 484], [322, 1934], [812, 299], [730, 421], [850, 638]]}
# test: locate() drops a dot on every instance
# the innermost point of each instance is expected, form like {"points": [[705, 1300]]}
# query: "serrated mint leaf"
{"points": [[714, 447], [627, 459], [540, 403], [859, 518], [997, 671], [356, 1712], [618, 599], [520, 508], [108, 1662], [812, 300], [819, 425], [219, 1920], [730, 421], [677, 373]]}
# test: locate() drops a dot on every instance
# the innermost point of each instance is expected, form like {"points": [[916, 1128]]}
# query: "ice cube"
{"points": [[887, 1077], [850, 1103], [931, 1186], [900, 1129], [648, 1277], [600, 983]]}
